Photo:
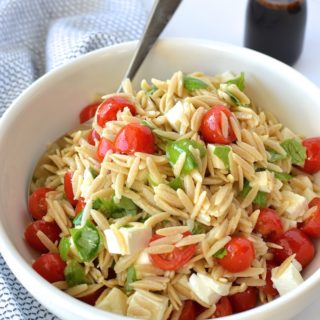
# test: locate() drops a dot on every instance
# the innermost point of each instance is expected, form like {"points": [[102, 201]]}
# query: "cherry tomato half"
{"points": [[80, 205], [311, 226], [103, 147], [269, 224], [268, 287], [68, 190], [37, 203], [244, 300], [109, 108], [211, 126], [312, 163], [174, 260], [50, 266], [93, 137], [88, 112], [294, 241], [223, 308], [50, 229], [133, 138], [240, 254], [189, 311]]}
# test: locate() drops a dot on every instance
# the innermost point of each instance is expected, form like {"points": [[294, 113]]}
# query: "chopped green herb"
{"points": [[75, 274], [191, 83], [233, 98], [131, 277], [296, 151], [260, 199], [176, 183], [64, 246], [93, 172], [151, 91], [222, 152], [77, 220], [238, 81], [197, 228], [275, 156], [144, 219], [282, 176], [221, 253]]}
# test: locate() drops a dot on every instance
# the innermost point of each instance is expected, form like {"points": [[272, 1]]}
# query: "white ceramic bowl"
{"points": [[51, 106]]}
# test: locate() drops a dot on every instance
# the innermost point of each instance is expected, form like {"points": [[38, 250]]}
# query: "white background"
{"points": [[224, 21]]}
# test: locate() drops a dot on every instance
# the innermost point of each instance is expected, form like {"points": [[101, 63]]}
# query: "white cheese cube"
{"points": [[115, 301], [217, 162], [265, 181], [128, 240], [207, 289], [143, 258], [178, 116], [288, 224], [287, 134], [309, 194], [298, 205], [288, 280], [147, 305]]}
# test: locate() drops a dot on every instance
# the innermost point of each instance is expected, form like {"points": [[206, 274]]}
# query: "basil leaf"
{"points": [[191, 83], [151, 91], [93, 172], [197, 228], [221, 253], [87, 241], [233, 98], [275, 156], [260, 199], [222, 152], [131, 277], [295, 150], [77, 220], [282, 176], [238, 81], [64, 246], [74, 273], [176, 183], [245, 190]]}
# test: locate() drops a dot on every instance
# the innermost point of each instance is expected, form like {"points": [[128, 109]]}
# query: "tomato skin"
{"points": [[92, 298], [50, 266], [294, 241], [269, 224], [88, 112], [311, 226], [80, 205], [268, 287], [68, 190], [189, 311], [133, 138], [211, 126], [174, 260], [244, 300], [109, 108], [312, 163], [50, 229], [103, 147], [223, 308], [93, 137], [37, 203], [240, 254]]}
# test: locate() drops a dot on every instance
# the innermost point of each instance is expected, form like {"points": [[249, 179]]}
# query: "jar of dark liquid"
{"points": [[276, 28]]}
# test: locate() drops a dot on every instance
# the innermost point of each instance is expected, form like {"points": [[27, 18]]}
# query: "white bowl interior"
{"points": [[51, 107]]}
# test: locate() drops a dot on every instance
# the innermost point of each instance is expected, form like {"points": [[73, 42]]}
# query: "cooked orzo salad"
{"points": [[183, 200]]}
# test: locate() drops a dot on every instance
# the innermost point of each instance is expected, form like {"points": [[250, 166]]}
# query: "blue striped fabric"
{"points": [[35, 37]]}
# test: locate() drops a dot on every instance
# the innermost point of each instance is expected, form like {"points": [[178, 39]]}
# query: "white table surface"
{"points": [[223, 20]]}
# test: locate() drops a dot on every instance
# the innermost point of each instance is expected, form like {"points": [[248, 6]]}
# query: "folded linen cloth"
{"points": [[35, 37]]}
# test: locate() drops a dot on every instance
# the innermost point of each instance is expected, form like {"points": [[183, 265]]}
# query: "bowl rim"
{"points": [[23, 270]]}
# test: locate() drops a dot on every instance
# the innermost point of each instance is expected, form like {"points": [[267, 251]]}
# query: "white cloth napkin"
{"points": [[36, 36]]}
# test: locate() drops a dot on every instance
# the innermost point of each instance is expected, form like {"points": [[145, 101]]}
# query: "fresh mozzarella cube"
{"points": [[265, 181], [178, 116], [288, 224], [217, 162], [115, 301], [317, 178], [288, 280], [147, 305], [309, 194], [287, 134], [297, 265], [207, 289], [128, 240], [298, 205], [143, 258]]}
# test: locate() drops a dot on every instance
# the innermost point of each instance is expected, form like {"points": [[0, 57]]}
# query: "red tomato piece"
{"points": [[311, 226], [189, 311], [93, 137], [50, 266], [80, 205], [133, 138], [268, 287], [211, 126], [174, 260], [244, 300], [312, 163], [88, 112], [223, 308], [103, 147], [269, 224], [50, 229], [240, 254], [294, 241], [68, 190], [37, 203], [109, 108], [92, 298]]}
